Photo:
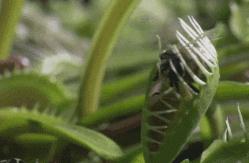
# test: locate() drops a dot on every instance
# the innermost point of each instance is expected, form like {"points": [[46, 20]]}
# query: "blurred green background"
{"points": [[55, 36]]}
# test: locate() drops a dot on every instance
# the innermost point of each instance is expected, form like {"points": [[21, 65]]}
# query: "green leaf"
{"points": [[226, 152], [115, 110], [118, 62], [58, 127], [88, 138], [34, 139], [229, 90], [116, 88]]}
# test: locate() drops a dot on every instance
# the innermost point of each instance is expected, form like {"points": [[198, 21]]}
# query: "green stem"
{"points": [[229, 90], [124, 85], [118, 63], [101, 49], [9, 16], [119, 109]]}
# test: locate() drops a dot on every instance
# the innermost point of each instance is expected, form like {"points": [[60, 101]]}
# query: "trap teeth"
{"points": [[187, 76], [194, 55]]}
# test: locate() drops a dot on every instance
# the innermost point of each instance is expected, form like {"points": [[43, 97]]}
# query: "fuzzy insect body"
{"points": [[183, 85], [165, 69]]}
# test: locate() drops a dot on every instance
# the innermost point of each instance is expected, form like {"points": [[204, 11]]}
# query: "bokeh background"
{"points": [[54, 37]]}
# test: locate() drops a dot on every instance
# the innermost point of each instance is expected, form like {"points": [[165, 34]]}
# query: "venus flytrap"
{"points": [[56, 125], [28, 88], [230, 149], [182, 88]]}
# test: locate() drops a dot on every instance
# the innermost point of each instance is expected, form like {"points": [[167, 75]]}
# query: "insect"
{"points": [[183, 73], [165, 58], [174, 68]]}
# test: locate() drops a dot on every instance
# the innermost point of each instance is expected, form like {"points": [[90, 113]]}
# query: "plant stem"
{"points": [[125, 107], [9, 16], [229, 90], [102, 46], [124, 85]]}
